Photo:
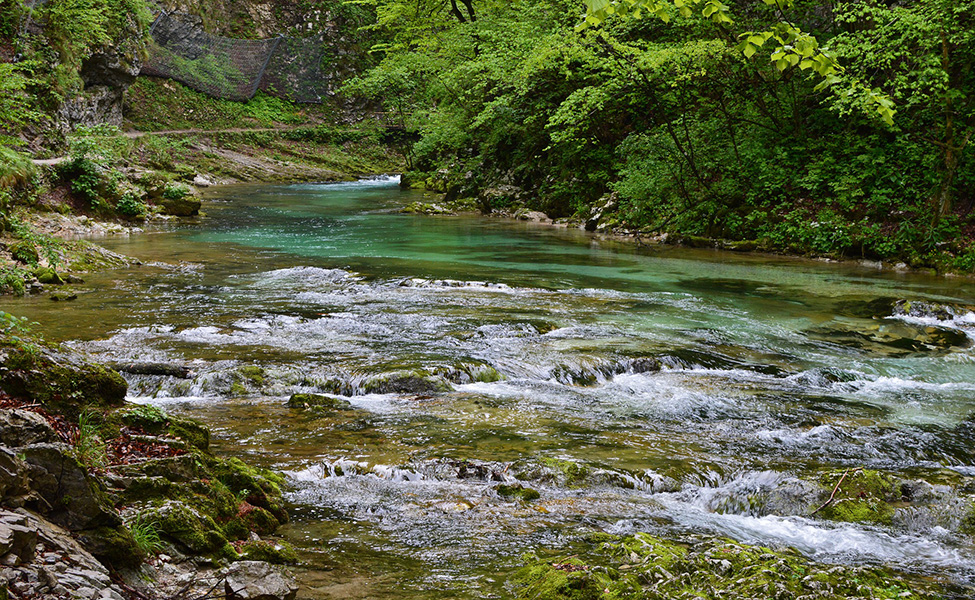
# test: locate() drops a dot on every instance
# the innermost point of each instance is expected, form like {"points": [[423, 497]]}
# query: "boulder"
{"points": [[255, 580], [23, 427], [14, 479], [317, 401], [62, 381], [67, 494], [187, 206]]}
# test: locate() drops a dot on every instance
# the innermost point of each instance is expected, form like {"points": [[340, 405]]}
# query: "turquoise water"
{"points": [[669, 390]]}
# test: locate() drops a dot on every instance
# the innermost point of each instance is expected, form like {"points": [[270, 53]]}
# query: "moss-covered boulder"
{"points": [[64, 382], [406, 382], [112, 545], [318, 401], [277, 552], [517, 492], [862, 496], [194, 531], [48, 275]]}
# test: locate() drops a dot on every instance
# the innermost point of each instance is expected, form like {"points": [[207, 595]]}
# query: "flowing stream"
{"points": [[673, 391]]}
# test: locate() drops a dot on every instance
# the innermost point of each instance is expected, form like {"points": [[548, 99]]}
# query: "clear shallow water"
{"points": [[773, 371]]}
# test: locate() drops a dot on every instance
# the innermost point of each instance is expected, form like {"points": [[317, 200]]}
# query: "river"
{"points": [[673, 391]]}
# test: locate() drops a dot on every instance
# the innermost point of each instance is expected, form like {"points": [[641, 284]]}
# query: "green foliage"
{"points": [[76, 29], [14, 327], [130, 206], [145, 532], [13, 281], [89, 447], [702, 122], [16, 103], [16, 169], [175, 191]]}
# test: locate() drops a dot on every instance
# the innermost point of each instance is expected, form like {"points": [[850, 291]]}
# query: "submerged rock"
{"points": [[318, 401], [644, 566], [405, 382], [255, 580]]}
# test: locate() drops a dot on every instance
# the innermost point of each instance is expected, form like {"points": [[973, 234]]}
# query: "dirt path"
{"points": [[138, 134]]}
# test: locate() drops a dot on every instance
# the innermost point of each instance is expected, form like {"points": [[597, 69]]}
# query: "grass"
{"points": [[89, 446], [146, 535]]}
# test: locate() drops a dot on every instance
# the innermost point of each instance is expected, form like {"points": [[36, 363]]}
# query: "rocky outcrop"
{"points": [[42, 560]]}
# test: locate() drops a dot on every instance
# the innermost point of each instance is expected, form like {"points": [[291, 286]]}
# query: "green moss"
{"points": [[48, 275], [114, 545], [865, 496], [968, 520], [643, 566], [257, 519], [567, 580], [190, 528], [62, 382], [317, 401], [253, 374], [574, 473], [280, 553], [148, 418], [192, 432], [517, 491]]}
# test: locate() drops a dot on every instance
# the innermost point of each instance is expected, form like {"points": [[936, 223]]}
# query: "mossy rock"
{"points": [[48, 275], [705, 568], [187, 206], [146, 417], [318, 401], [257, 519], [968, 520], [573, 473], [258, 486], [194, 531], [406, 382], [566, 580], [177, 469], [865, 496], [517, 492], [253, 374], [114, 545], [63, 382], [279, 553], [194, 433]]}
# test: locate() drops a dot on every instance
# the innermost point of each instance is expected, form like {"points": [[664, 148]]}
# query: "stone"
{"points": [[317, 401], [62, 381], [16, 538], [14, 478], [68, 495], [256, 580], [23, 427], [533, 216], [48, 275], [187, 206]]}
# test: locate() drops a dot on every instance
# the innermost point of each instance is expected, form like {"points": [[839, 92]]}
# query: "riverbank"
{"points": [[103, 498], [602, 226]]}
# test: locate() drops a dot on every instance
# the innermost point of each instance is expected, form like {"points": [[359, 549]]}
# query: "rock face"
{"points": [[253, 580], [23, 427], [67, 494], [41, 560]]}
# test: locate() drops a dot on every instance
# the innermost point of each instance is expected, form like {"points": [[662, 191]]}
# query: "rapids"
{"points": [[672, 391]]}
